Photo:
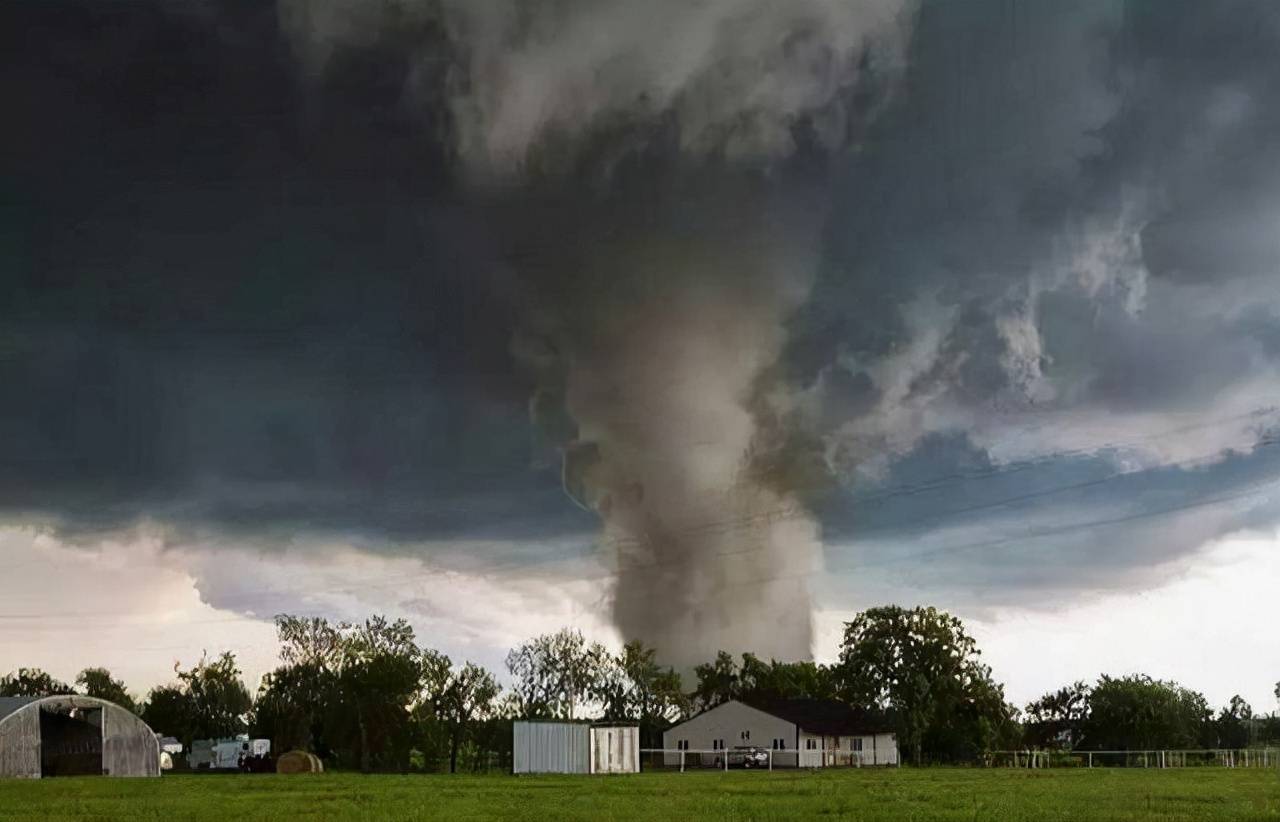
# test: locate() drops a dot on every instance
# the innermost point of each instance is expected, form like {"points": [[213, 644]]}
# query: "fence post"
{"points": [[681, 761], [1090, 759], [725, 758], [771, 761]]}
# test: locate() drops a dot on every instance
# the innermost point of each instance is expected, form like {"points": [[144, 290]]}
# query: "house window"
{"points": [[746, 735], [856, 744], [682, 745], [779, 744], [811, 744], [717, 744]]}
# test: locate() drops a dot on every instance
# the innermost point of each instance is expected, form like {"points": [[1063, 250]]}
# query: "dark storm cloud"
{"points": [[1068, 216], [231, 301], [248, 295], [948, 519]]}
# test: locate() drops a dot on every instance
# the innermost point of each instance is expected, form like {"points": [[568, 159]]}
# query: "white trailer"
{"points": [[231, 754]]}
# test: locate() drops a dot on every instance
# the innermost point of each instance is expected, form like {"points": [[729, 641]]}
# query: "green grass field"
{"points": [[866, 795]]}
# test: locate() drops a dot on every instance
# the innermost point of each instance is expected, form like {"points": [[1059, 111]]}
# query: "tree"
{"points": [[168, 711], [633, 686], [288, 712], [761, 682], [717, 682], [297, 700], [32, 682], [922, 667], [97, 682], [1057, 720], [555, 673], [1141, 713], [379, 665], [656, 694], [430, 730], [468, 697], [1233, 724], [217, 699]]}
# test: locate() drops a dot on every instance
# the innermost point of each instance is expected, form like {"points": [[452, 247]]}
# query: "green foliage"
{"points": [[32, 682], [556, 673], [717, 682], [168, 711], [367, 696], [97, 682], [378, 667], [632, 686], [760, 682], [1141, 713], [1057, 720], [217, 699], [208, 701], [1234, 724], [922, 667], [468, 697], [288, 710]]}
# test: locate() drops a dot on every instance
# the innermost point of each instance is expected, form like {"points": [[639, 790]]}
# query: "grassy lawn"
{"points": [[867, 795]]}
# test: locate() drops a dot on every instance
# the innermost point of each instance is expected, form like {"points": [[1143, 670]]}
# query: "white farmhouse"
{"points": [[807, 733]]}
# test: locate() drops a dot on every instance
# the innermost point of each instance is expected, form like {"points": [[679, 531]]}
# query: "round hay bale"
{"points": [[299, 762]]}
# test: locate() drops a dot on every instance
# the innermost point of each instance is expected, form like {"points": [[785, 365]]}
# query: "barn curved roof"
{"points": [[12, 704], [9, 704]]}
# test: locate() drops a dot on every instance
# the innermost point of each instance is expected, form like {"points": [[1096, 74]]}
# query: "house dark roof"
{"points": [[828, 717]]}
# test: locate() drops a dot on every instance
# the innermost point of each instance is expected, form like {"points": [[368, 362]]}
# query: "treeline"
{"points": [[1142, 713], [369, 697]]}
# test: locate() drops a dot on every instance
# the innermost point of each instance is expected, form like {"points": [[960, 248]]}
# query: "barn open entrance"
{"points": [[70, 741]]}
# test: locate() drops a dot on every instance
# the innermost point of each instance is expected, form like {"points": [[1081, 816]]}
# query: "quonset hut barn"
{"points": [[74, 735]]}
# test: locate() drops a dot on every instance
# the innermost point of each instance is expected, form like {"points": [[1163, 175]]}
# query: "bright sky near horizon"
{"points": [[136, 609]]}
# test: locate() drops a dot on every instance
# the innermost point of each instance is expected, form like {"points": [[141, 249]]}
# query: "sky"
{"points": [[711, 325]]}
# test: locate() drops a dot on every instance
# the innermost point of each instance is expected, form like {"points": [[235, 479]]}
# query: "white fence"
{"points": [[1221, 758], [693, 760]]}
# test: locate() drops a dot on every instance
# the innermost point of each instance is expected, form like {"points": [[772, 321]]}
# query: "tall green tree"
{"points": [[218, 701], [297, 701], [97, 682], [289, 711], [468, 700], [755, 680], [921, 666], [1234, 723], [378, 673], [168, 711], [764, 682], [718, 682], [1141, 713], [431, 731], [32, 682], [1057, 719], [554, 674], [632, 686]]}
